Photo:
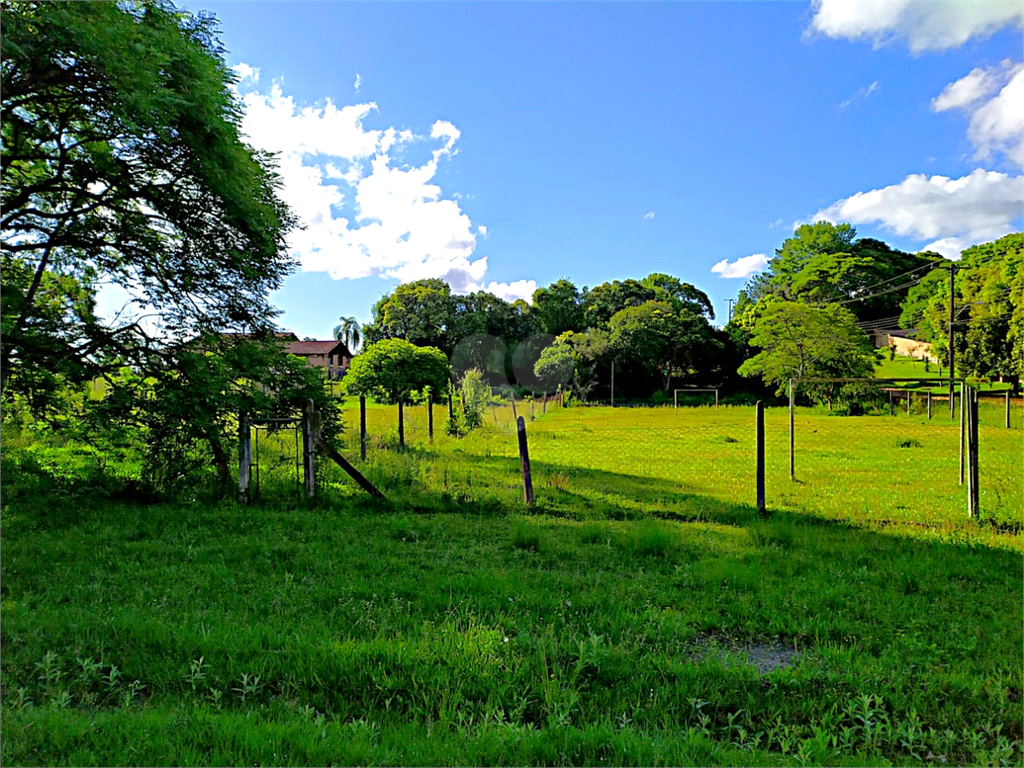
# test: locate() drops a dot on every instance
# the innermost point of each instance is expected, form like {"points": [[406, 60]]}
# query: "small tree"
{"points": [[390, 370]]}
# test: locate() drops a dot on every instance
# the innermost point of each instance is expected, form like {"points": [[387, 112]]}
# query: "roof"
{"points": [[277, 334], [306, 348]]}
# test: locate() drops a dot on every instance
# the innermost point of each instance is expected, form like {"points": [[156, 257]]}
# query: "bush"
{"points": [[475, 395]]}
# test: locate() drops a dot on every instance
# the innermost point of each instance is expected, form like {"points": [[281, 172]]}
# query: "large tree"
{"points": [[798, 341], [559, 308], [988, 306], [122, 164], [825, 262], [421, 312], [655, 341]]}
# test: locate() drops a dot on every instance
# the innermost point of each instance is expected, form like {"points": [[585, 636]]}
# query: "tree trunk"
{"points": [[220, 462]]}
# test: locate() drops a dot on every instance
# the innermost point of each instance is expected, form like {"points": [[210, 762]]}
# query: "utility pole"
{"points": [[952, 364], [730, 308]]}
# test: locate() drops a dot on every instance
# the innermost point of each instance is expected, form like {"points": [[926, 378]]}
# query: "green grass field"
{"points": [[907, 367], [641, 613]]}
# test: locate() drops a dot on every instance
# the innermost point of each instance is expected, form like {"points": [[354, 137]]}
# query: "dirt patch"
{"points": [[764, 657]]}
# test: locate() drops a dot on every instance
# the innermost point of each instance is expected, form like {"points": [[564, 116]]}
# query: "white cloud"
{"points": [[861, 95], [358, 82], [998, 124], [996, 121], [520, 289], [397, 222], [649, 215], [953, 213], [924, 25], [246, 75], [968, 90], [742, 267]]}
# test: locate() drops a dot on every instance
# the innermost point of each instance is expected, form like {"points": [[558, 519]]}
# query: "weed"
{"points": [[248, 685]]}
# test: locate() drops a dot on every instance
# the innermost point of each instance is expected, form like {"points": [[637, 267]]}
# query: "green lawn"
{"points": [[641, 613]]}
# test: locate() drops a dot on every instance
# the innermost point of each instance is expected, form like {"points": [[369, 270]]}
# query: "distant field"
{"points": [[905, 367], [873, 470], [641, 614]]}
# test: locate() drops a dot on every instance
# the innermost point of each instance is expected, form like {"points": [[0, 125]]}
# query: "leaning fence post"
{"points": [[961, 433], [760, 457], [362, 427], [524, 460], [309, 450], [244, 455], [401, 424]]}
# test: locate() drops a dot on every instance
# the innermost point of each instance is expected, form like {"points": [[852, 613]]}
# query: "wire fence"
{"points": [[691, 461]]}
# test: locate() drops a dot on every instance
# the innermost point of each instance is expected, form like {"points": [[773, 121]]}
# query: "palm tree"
{"points": [[348, 331]]}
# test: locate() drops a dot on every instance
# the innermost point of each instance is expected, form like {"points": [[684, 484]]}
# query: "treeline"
{"points": [[657, 331], [812, 313]]}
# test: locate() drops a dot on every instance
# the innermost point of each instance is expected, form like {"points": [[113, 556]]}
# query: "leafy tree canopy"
{"points": [[825, 262], [122, 163], [659, 340], [421, 312], [559, 308], [988, 298], [799, 341], [391, 369]]}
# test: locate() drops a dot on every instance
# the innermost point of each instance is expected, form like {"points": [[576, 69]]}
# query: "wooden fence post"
{"points": [[929, 405], [716, 401], [363, 427], [962, 427], [244, 456], [401, 424], [760, 457], [545, 406], [524, 460], [1007, 425], [973, 495], [309, 449], [430, 416], [908, 403], [890, 403], [792, 461]]}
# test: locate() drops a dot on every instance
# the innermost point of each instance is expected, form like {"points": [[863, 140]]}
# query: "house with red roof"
{"points": [[333, 356]]}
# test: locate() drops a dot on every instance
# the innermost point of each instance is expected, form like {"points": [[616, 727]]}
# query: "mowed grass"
{"points": [[641, 613]]}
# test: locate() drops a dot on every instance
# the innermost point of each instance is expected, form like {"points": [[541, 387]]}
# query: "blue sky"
{"points": [[498, 144]]}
